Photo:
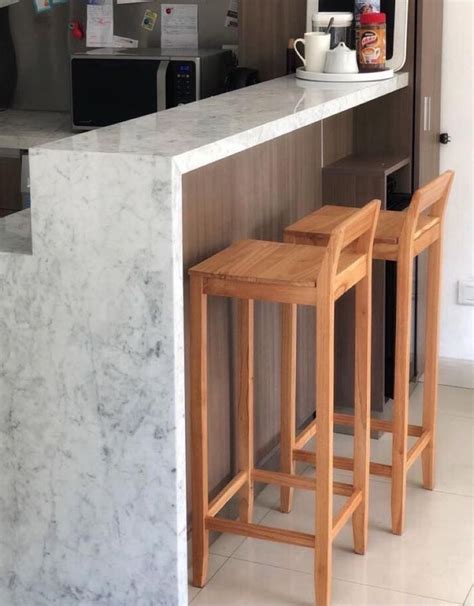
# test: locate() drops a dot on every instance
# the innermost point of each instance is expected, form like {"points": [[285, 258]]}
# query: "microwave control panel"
{"points": [[184, 83]]}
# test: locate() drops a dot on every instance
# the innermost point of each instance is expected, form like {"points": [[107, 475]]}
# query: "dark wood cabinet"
{"points": [[353, 181]]}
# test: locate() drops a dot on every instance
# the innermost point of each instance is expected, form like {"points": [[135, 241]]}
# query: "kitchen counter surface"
{"points": [[200, 133], [92, 399], [24, 129]]}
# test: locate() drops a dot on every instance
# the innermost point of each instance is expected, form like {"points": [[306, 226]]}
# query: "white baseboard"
{"points": [[456, 373]]}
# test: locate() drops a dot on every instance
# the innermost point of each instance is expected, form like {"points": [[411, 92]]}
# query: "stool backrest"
{"points": [[434, 195], [357, 232], [431, 199]]}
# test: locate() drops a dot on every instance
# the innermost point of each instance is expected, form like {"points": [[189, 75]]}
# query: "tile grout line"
{"points": [[418, 595], [226, 559]]}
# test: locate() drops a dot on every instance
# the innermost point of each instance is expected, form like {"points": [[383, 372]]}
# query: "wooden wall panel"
{"points": [[254, 194], [338, 137], [265, 27]]}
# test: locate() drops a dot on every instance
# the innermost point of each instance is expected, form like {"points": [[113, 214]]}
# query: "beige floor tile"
{"points": [[433, 558], [455, 448], [470, 598], [241, 583], [215, 564]]}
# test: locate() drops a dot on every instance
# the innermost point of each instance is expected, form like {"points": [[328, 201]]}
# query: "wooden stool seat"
{"points": [[291, 275], [399, 237], [318, 225], [277, 264]]}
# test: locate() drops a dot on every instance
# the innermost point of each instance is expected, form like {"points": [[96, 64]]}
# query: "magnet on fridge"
{"points": [[149, 20], [42, 6], [76, 29]]}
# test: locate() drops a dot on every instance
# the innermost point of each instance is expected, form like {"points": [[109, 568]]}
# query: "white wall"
{"points": [[457, 331]]}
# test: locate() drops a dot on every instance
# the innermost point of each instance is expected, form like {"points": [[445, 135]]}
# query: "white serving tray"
{"points": [[361, 77]]}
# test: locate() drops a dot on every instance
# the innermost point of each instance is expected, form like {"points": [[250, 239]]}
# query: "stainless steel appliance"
{"points": [[114, 85]]}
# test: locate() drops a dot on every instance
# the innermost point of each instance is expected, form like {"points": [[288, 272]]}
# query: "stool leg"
{"points": [[430, 395], [362, 392], [324, 448], [245, 411], [288, 400], [401, 396], [200, 488]]}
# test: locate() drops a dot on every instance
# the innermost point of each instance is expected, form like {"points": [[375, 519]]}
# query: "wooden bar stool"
{"points": [[292, 275], [399, 237]]}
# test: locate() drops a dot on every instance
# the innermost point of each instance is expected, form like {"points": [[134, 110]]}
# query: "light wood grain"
{"points": [[364, 237], [227, 493], [258, 531], [295, 481], [348, 509], [264, 29], [199, 431], [325, 412], [346, 463], [288, 400], [436, 200], [245, 442]]}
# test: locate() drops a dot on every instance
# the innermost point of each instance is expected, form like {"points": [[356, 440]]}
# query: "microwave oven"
{"points": [[114, 85]]}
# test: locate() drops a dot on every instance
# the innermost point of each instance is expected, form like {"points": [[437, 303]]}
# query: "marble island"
{"points": [[92, 455]]}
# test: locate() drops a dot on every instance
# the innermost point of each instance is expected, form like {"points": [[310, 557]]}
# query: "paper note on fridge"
{"points": [[179, 26], [100, 24]]}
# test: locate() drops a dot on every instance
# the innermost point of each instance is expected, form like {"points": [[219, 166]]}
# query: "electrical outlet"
{"points": [[466, 292]]}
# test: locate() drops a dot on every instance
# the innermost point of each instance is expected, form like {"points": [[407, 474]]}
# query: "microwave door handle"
{"points": [[161, 85]]}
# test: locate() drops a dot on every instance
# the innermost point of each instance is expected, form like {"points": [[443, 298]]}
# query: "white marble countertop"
{"points": [[15, 233], [200, 133], [24, 129]]}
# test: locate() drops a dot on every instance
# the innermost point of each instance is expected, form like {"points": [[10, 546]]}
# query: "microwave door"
{"points": [[161, 85], [107, 91]]}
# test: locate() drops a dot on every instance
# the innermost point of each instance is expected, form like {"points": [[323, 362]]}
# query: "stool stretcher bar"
{"points": [[227, 493], [346, 512], [295, 481], [257, 531], [418, 447], [268, 533], [342, 419], [376, 469]]}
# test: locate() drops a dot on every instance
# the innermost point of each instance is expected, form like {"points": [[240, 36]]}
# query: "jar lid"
{"points": [[370, 18], [340, 19]]}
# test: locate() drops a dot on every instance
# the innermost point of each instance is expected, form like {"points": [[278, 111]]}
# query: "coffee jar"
{"points": [[372, 42]]}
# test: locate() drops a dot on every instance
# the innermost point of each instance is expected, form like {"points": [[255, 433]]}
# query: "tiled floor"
{"points": [[431, 565]]}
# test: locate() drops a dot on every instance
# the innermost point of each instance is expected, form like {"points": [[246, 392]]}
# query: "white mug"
{"points": [[316, 45]]}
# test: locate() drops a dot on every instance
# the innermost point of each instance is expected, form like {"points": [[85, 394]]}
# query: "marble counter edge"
{"points": [[190, 160]]}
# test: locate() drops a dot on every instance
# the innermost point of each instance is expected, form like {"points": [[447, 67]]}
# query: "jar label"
{"points": [[370, 52]]}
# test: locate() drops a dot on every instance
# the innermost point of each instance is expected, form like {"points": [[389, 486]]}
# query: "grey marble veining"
{"points": [[92, 467], [24, 129], [92, 434]]}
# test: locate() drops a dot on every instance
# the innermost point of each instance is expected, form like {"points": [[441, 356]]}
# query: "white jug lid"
{"points": [[340, 19]]}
